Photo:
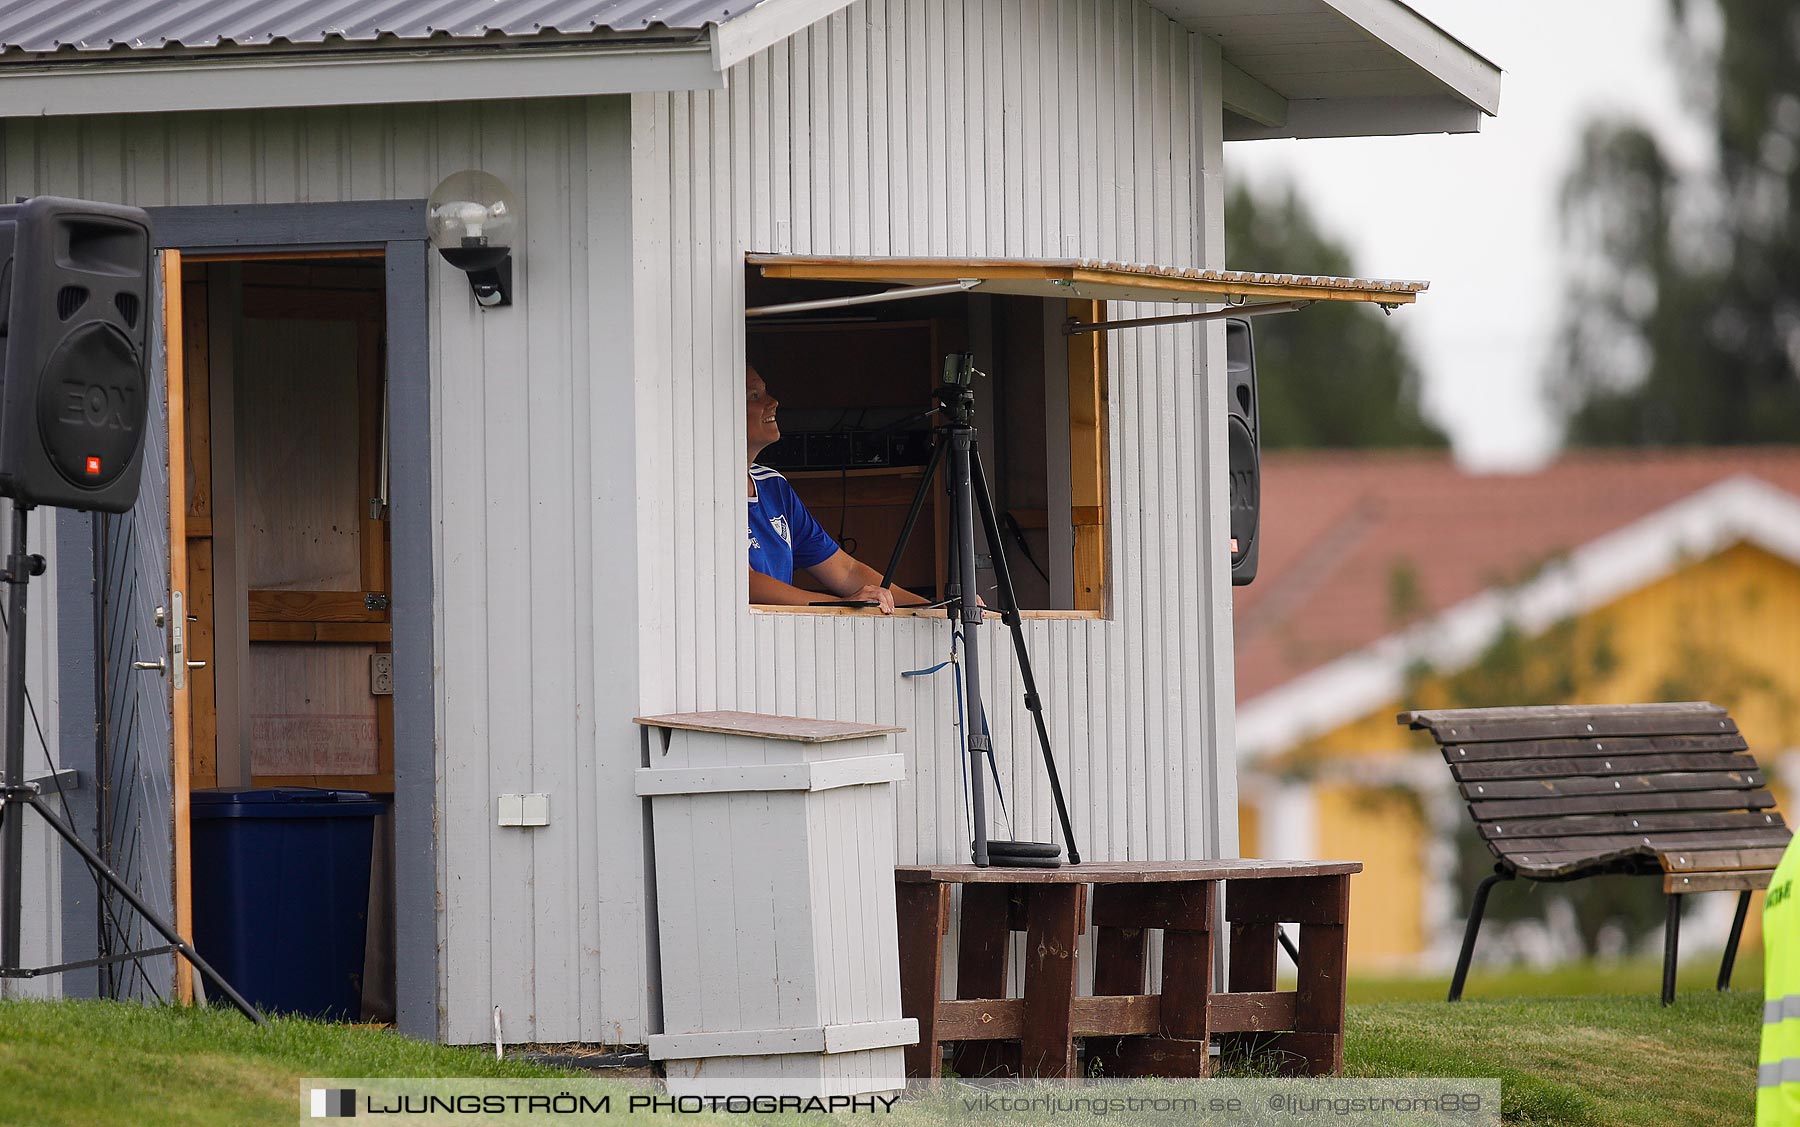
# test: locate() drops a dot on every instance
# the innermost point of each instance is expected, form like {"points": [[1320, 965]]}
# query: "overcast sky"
{"points": [[1476, 214]]}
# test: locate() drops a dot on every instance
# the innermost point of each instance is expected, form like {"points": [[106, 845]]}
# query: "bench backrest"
{"points": [[1558, 789]]}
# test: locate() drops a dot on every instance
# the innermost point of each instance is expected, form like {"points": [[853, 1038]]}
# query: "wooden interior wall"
{"points": [[306, 406]]}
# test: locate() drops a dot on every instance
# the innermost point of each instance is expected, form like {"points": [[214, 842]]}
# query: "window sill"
{"points": [[919, 612]]}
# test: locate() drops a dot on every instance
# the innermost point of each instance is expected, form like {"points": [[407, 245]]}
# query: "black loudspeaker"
{"points": [[74, 302], [1242, 449]]}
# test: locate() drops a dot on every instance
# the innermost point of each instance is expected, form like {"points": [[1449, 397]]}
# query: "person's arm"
{"points": [[767, 590], [849, 578]]}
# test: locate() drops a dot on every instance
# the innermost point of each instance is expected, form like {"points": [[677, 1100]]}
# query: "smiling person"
{"points": [[784, 535]]}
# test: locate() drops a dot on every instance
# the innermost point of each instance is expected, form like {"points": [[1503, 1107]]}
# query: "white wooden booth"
{"points": [[567, 473]]}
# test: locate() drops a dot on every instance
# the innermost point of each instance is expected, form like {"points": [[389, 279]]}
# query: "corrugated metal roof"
{"points": [[47, 26]]}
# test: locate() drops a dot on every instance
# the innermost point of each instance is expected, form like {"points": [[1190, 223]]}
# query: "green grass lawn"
{"points": [[1580, 1046], [1573, 980], [1575, 1062], [87, 1063]]}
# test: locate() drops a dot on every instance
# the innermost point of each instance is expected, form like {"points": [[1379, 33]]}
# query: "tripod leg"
{"points": [[912, 513], [101, 870], [1009, 605], [962, 521]]}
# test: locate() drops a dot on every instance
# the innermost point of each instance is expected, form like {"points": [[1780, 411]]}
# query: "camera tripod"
{"points": [[17, 796], [956, 444]]}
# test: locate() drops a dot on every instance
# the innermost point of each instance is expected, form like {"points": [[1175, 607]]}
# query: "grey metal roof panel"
{"points": [[49, 26]]}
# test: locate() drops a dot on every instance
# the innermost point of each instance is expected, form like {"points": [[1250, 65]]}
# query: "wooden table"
{"points": [[1127, 1031]]}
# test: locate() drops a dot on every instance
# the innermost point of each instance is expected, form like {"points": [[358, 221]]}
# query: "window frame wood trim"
{"points": [[1089, 419]]}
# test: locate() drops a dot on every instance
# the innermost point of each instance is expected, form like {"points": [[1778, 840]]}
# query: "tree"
{"points": [[1683, 322], [1333, 375]]}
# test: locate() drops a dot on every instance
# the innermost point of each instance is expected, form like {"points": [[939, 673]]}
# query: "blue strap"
{"points": [[927, 672]]}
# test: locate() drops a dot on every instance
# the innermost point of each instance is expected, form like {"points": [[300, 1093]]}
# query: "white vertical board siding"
{"points": [[532, 463], [930, 127]]}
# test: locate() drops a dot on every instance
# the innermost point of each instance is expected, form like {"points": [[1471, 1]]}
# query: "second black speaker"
{"points": [[1243, 448]]}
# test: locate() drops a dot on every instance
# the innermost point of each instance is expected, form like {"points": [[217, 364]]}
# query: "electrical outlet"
{"points": [[381, 675], [524, 810]]}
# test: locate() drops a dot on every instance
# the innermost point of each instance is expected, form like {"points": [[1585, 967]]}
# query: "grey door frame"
{"points": [[397, 228]]}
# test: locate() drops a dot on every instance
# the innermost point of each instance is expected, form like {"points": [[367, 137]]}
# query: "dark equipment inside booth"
{"points": [[853, 440], [856, 386]]}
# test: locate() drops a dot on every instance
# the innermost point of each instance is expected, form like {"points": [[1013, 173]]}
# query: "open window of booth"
{"points": [[855, 386], [853, 346]]}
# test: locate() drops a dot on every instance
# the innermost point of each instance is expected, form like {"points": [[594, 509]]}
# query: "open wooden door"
{"points": [[175, 366], [142, 768]]}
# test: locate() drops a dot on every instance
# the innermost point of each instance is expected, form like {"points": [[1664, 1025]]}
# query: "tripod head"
{"points": [[956, 395]]}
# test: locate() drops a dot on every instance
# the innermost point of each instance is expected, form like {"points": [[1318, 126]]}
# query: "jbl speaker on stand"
{"points": [[74, 302], [1242, 449], [74, 313]]}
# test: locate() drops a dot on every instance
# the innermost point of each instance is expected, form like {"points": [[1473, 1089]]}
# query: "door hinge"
{"points": [[374, 601]]}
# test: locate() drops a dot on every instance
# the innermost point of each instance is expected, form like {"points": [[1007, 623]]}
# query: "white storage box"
{"points": [[774, 855]]}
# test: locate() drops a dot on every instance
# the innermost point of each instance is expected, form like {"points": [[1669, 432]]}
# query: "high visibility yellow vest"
{"points": [[1778, 1070]]}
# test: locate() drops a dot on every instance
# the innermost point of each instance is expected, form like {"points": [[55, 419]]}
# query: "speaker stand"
{"points": [[18, 796]]}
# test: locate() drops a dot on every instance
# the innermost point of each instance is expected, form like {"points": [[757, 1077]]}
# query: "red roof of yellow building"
{"points": [[1359, 547]]}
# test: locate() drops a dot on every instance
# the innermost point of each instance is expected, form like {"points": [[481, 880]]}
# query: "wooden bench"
{"points": [[1127, 1031], [1570, 791]]}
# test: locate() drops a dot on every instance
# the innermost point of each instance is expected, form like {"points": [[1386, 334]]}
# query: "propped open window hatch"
{"points": [[851, 343], [1244, 292]]}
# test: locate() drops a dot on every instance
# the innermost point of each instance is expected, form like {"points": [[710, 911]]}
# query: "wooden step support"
{"points": [[1126, 1029]]}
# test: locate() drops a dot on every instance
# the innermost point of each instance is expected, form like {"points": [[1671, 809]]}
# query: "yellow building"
{"points": [[1396, 581]]}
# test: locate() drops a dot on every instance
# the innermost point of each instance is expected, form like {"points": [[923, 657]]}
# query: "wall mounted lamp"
{"points": [[472, 219]]}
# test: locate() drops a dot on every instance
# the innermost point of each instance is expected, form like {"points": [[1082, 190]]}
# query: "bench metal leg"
{"points": [[1287, 944], [1472, 929], [1731, 943], [1671, 943]]}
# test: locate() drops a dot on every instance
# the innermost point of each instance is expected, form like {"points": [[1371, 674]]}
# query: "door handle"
{"points": [[160, 665], [196, 665]]}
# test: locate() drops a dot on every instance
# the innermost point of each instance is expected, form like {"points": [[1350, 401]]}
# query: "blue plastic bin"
{"points": [[281, 894]]}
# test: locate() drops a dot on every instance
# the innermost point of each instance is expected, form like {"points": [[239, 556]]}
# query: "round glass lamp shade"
{"points": [[472, 219]]}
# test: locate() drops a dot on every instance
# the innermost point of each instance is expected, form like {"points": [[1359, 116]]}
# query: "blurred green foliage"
{"points": [[1336, 375], [1682, 318]]}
